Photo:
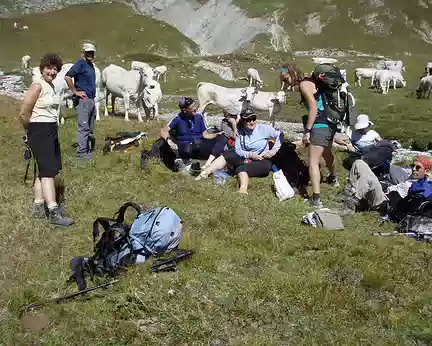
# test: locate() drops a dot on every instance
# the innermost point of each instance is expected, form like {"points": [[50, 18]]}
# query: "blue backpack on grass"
{"points": [[153, 232]]}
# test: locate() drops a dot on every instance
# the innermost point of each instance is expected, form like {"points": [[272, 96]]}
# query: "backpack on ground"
{"points": [[123, 141], [339, 103], [419, 221], [153, 232], [324, 218], [295, 169]]}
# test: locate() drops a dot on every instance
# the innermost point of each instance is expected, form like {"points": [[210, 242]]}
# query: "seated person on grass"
{"points": [[252, 155], [228, 128], [188, 138], [364, 189], [360, 139]]}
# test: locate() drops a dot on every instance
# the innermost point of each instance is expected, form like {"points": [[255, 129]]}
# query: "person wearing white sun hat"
{"points": [[363, 136]]}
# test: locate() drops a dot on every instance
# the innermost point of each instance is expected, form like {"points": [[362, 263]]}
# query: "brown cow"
{"points": [[291, 78]]}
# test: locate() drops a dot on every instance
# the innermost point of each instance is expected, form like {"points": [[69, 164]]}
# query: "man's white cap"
{"points": [[88, 47], [362, 122]]}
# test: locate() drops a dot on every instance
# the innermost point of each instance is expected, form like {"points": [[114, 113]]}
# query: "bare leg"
{"points": [[243, 178], [330, 161], [315, 153], [48, 191], [38, 196], [215, 166]]}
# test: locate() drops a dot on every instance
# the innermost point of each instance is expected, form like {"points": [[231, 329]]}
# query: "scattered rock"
{"points": [[150, 325], [223, 72]]}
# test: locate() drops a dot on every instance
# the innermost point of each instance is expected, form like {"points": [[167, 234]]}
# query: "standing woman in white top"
{"points": [[38, 117]]}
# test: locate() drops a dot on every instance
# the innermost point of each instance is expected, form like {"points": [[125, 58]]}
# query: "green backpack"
{"points": [[339, 105]]}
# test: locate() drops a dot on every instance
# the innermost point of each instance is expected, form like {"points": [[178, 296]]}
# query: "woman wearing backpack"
{"points": [[39, 119], [318, 136]]}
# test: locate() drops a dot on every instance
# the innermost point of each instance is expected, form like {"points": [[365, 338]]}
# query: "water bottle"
{"points": [[221, 178], [275, 168]]}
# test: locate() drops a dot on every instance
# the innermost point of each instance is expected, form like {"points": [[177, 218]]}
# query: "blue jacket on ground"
{"points": [[83, 73], [256, 141]]}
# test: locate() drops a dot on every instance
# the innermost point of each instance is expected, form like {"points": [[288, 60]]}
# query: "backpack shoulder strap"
{"points": [[104, 222], [123, 208]]}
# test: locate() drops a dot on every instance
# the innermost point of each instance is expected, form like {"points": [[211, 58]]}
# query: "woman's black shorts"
{"points": [[44, 142]]}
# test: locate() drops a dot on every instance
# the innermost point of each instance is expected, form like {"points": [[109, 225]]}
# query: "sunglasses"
{"points": [[249, 120], [416, 167]]}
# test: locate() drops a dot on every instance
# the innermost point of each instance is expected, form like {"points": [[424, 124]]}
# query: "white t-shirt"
{"points": [[361, 141]]}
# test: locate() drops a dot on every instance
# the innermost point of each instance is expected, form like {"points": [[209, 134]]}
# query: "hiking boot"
{"points": [[180, 165], [333, 181], [57, 218], [316, 202], [38, 211]]}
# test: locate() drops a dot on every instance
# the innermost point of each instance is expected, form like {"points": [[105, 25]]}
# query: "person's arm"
{"points": [[271, 132], [238, 148], [28, 104], [165, 132], [74, 70], [306, 89], [233, 122]]}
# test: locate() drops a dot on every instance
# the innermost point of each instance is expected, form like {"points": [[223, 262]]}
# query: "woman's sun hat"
{"points": [[362, 122]]}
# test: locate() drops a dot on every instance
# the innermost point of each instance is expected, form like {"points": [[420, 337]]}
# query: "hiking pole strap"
{"points": [[123, 208], [27, 169]]}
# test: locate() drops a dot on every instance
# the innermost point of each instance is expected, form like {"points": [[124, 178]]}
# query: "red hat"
{"points": [[425, 161]]}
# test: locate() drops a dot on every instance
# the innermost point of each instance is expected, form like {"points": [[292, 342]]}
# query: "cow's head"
{"points": [[147, 75], [279, 97]]}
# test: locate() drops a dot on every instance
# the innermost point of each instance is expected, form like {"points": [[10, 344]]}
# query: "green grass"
{"points": [[258, 275], [114, 28]]}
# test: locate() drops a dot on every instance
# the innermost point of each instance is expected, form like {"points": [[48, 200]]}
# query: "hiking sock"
{"points": [[316, 196], [39, 201], [52, 206]]}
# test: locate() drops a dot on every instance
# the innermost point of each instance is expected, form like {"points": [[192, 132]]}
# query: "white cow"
{"points": [[25, 62], [138, 65], [25, 27], [128, 85], [394, 65], [209, 93], [266, 101], [428, 69], [160, 71], [320, 61], [15, 25], [425, 87], [254, 78], [151, 97], [383, 79], [366, 73]]}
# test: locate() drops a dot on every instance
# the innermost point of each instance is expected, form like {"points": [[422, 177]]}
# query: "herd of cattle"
{"points": [[141, 85]]}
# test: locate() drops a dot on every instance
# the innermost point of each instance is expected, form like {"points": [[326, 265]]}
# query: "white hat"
{"points": [[88, 47], [362, 122]]}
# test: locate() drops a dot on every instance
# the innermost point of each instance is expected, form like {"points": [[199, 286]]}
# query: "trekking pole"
{"points": [[70, 296], [171, 264]]}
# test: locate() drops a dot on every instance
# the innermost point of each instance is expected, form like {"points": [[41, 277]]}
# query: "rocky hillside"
{"points": [[223, 26]]}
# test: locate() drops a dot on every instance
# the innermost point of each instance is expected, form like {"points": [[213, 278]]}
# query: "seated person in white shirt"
{"points": [[362, 137]]}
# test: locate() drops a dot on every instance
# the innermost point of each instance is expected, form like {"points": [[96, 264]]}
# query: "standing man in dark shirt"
{"points": [[83, 86]]}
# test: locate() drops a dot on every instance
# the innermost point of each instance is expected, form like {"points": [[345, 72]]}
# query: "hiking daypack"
{"points": [[419, 222], [153, 232], [123, 141], [338, 102], [295, 169]]}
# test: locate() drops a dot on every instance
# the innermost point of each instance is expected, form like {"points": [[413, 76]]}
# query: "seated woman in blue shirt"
{"points": [[188, 137], [252, 155]]}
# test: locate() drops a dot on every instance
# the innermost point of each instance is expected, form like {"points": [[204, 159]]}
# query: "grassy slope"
{"points": [[113, 27], [258, 277], [342, 32]]}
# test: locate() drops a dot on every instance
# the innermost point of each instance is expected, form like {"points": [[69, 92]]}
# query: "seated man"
{"points": [[360, 139], [188, 138], [364, 186], [252, 155]]}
